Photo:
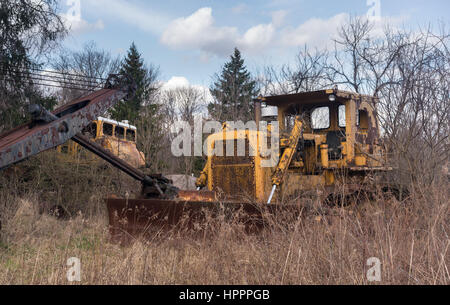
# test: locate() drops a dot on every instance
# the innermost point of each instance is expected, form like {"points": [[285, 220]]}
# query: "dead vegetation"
{"points": [[409, 237]]}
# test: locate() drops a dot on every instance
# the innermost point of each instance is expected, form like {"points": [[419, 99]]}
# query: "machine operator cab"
{"points": [[117, 137], [340, 122]]}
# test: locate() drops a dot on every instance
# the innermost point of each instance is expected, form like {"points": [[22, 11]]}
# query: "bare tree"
{"points": [[347, 66], [414, 104], [181, 104], [307, 74], [84, 70], [409, 72], [152, 137]]}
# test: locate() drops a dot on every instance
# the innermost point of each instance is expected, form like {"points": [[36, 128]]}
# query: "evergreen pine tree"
{"points": [[133, 66], [233, 91]]}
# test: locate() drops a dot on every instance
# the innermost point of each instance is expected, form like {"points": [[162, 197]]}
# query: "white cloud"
{"points": [[278, 17], [78, 25], [146, 19], [257, 37], [182, 82], [48, 84], [198, 31], [319, 33], [392, 21], [175, 82], [316, 32]]}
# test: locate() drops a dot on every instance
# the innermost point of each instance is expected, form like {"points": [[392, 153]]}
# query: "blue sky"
{"points": [[190, 40]]}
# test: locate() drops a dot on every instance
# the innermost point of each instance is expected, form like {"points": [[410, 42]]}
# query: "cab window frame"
{"points": [[328, 118], [342, 106], [364, 125], [106, 131], [122, 129], [91, 130], [130, 131]]}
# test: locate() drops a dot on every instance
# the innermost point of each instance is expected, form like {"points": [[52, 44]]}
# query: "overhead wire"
{"points": [[81, 79], [59, 80], [63, 73], [57, 85]]}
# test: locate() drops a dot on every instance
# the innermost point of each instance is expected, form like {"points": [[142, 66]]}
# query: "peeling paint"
{"points": [[32, 138]]}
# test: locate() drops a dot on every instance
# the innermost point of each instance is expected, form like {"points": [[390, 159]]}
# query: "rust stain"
{"points": [[134, 218], [30, 139]]}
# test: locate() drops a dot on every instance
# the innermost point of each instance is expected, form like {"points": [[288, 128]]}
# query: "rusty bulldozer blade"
{"points": [[135, 218]]}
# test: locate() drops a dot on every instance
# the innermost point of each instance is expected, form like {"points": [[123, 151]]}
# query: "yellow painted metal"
{"points": [[350, 126], [118, 143], [344, 148], [324, 155], [299, 182], [202, 180], [281, 119], [317, 165], [288, 153], [236, 175], [329, 177], [360, 160]]}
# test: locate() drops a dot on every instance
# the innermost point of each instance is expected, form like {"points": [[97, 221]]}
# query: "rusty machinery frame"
{"points": [[50, 129]]}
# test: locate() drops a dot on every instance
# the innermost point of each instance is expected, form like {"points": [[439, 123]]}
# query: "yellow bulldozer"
{"points": [[327, 139]]}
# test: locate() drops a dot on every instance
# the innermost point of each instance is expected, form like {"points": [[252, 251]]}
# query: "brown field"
{"points": [[410, 238]]}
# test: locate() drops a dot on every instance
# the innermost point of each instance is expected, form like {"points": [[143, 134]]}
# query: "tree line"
{"points": [[409, 71]]}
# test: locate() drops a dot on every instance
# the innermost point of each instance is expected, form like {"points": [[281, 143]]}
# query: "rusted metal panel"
{"points": [[235, 180], [129, 219], [30, 139], [125, 150], [313, 97], [234, 175], [109, 157]]}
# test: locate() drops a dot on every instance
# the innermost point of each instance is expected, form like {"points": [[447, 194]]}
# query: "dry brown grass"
{"points": [[410, 238]]}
